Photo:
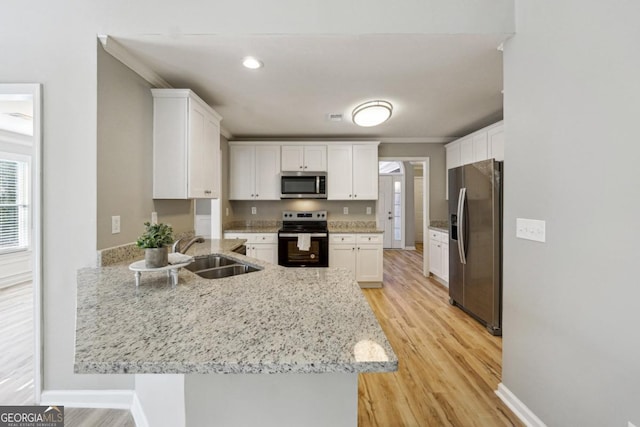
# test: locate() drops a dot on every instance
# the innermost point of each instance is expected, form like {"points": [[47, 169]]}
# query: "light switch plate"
{"points": [[115, 224], [154, 217], [368, 210], [531, 229], [345, 210], [254, 210]]}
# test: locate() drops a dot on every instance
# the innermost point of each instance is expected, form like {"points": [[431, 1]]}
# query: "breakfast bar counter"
{"points": [[282, 321]]}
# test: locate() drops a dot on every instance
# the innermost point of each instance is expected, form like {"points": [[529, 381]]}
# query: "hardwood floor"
{"points": [[86, 417], [16, 345], [449, 365]]}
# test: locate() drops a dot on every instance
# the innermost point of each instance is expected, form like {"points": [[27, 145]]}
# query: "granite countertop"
{"points": [[439, 225], [278, 320], [354, 229]]}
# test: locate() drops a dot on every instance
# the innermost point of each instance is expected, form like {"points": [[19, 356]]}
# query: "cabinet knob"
{"points": [[300, 167], [257, 195], [305, 167], [349, 195], [342, 238], [353, 249], [253, 195], [355, 195]]}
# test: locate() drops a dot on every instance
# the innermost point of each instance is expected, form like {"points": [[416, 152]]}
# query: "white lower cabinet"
{"points": [[262, 246], [362, 254], [439, 254]]}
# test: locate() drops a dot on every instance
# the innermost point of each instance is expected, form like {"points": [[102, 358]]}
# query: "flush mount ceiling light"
{"points": [[372, 113], [252, 63]]}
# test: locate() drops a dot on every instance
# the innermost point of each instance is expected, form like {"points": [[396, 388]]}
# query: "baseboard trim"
{"points": [[138, 413], [409, 248], [518, 408], [113, 399]]}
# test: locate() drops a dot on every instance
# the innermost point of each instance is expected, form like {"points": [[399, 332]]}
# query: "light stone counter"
{"points": [[278, 320]]}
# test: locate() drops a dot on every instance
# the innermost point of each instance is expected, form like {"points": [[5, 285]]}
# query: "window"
{"points": [[14, 208]]}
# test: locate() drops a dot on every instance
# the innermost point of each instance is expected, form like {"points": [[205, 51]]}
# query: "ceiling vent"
{"points": [[334, 117]]}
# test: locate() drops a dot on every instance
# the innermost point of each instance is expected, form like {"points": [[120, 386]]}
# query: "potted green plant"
{"points": [[154, 241]]}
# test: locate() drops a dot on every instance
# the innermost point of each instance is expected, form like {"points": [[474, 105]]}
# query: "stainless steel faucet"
{"points": [[177, 248]]}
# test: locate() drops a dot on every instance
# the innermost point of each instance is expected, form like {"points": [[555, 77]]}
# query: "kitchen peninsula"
{"points": [[294, 341]]}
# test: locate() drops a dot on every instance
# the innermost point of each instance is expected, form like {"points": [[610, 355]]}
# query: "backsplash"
{"points": [[272, 210], [128, 252]]}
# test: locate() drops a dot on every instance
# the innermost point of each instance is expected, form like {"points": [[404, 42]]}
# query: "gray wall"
{"points": [[571, 341], [437, 167], [125, 162]]}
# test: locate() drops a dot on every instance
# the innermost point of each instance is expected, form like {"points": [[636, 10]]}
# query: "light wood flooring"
{"points": [[449, 365], [16, 345]]}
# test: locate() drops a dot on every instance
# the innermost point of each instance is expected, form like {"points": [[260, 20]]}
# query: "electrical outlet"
{"points": [[254, 210], [154, 217], [226, 211], [345, 210], [115, 224], [368, 210], [531, 229]]}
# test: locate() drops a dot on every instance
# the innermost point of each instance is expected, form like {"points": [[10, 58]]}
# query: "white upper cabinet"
{"points": [[495, 137], [466, 151], [254, 172], [352, 172], [486, 143], [340, 172], [186, 146], [365, 172], [304, 158]]}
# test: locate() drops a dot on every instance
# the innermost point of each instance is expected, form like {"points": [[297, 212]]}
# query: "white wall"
{"points": [[571, 317], [55, 44]]}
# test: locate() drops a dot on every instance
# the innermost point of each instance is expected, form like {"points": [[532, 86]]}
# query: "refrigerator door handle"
{"points": [[462, 197]]}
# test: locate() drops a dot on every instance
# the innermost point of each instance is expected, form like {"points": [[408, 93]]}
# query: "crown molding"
{"points": [[119, 52]]}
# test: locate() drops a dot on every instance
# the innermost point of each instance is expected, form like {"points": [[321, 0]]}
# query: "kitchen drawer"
{"points": [[368, 238], [435, 235], [254, 237], [342, 238], [264, 238]]}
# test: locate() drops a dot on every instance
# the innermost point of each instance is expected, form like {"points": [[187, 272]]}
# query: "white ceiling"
{"points": [[440, 85]]}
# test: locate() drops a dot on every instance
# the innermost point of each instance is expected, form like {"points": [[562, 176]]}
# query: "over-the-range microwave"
{"points": [[303, 185]]}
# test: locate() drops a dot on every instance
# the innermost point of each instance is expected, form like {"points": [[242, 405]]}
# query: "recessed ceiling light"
{"points": [[372, 113], [252, 63]]}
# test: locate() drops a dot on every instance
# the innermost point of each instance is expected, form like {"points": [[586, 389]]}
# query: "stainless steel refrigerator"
{"points": [[475, 241]]}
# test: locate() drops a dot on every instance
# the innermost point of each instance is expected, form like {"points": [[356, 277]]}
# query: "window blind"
{"points": [[14, 209]]}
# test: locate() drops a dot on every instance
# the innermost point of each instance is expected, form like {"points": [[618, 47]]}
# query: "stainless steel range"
{"points": [[303, 240]]}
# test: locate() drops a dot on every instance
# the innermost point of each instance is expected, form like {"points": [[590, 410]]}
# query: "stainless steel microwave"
{"points": [[303, 185]]}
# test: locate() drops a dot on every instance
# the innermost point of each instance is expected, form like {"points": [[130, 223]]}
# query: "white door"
{"points": [[417, 203], [385, 209]]}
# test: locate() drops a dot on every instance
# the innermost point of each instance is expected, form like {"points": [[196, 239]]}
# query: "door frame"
{"points": [[35, 90], [425, 201]]}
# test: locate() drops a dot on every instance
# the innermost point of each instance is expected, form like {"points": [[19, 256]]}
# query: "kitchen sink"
{"points": [[210, 261], [226, 271], [218, 266]]}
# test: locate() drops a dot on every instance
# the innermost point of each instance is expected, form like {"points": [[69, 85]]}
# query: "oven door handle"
{"points": [[296, 234]]}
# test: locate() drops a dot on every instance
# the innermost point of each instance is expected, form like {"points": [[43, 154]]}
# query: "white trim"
{"points": [[518, 408], [409, 248], [119, 52], [137, 412], [113, 399], [225, 132], [417, 140]]}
